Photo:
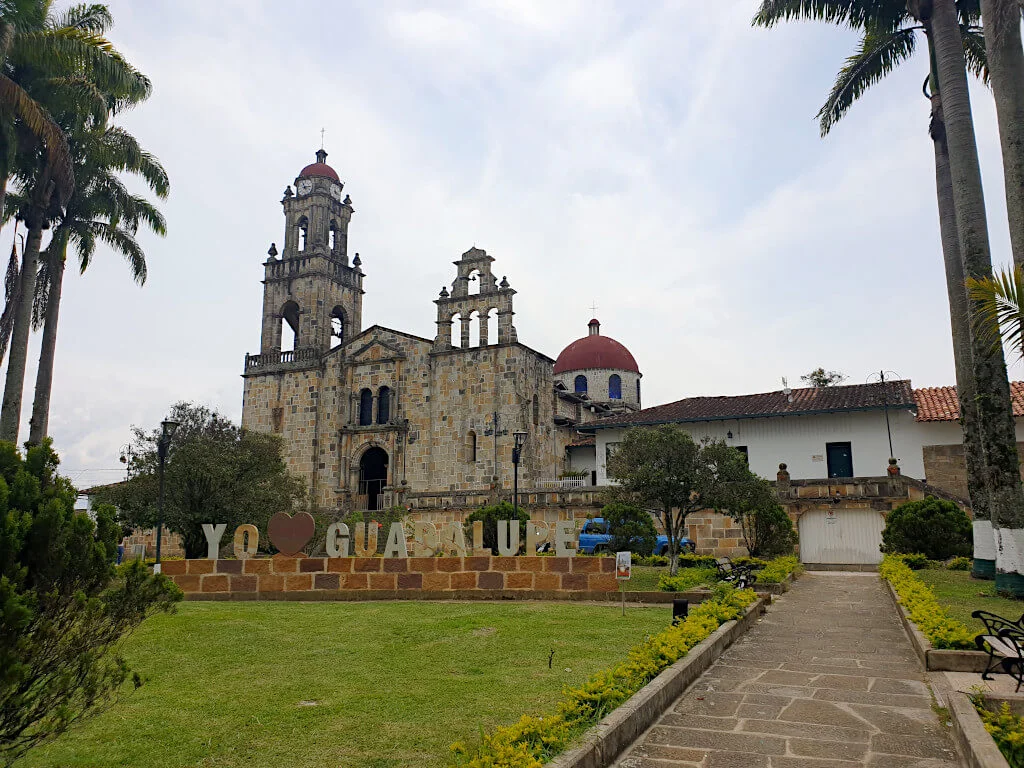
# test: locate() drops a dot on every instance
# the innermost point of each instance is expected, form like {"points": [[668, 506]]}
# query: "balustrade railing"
{"points": [[265, 359]]}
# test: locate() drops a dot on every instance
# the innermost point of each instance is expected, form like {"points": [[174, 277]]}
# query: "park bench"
{"points": [[1003, 641], [740, 575]]}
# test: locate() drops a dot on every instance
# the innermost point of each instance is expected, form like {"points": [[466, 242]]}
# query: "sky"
{"points": [[658, 159]]}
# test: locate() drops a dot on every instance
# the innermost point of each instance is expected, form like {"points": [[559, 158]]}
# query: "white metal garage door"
{"points": [[845, 536]]}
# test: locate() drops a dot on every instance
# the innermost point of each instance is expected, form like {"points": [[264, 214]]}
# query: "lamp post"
{"points": [[517, 450], [168, 427], [128, 459]]}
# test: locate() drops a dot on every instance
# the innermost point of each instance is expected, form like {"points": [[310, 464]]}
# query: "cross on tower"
{"points": [[322, 138], [593, 309]]}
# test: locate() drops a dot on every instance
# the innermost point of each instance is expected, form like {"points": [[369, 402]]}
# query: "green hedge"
{"points": [[1007, 731], [924, 610], [776, 571]]}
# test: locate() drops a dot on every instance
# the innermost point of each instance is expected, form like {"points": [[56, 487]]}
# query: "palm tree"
{"points": [[78, 74], [1006, 58], [889, 39], [992, 389], [101, 209], [1000, 300]]}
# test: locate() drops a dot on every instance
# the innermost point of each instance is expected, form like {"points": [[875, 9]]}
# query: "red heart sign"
{"points": [[290, 534]]}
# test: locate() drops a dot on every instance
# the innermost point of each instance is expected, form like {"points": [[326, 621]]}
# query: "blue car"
{"points": [[594, 537]]}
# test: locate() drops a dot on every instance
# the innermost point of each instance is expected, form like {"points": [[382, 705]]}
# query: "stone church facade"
{"points": [[373, 417]]}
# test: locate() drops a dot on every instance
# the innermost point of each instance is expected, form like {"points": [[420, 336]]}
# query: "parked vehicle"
{"points": [[594, 538]]}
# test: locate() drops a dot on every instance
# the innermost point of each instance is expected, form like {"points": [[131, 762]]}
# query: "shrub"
{"points": [[960, 564], [688, 579], [915, 561], [922, 607], [753, 562], [778, 569], [532, 741], [656, 561], [933, 527], [490, 517], [631, 529], [1007, 730], [768, 532], [696, 561]]}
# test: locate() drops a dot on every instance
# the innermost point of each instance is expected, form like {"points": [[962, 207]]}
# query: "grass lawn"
{"points": [[959, 594], [374, 685]]}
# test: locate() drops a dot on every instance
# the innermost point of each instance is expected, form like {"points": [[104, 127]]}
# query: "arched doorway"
{"points": [[373, 476]]}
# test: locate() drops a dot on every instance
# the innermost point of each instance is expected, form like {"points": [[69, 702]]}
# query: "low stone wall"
{"points": [[325, 578]]}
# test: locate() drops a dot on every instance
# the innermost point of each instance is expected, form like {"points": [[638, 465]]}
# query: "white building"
{"points": [[819, 433]]}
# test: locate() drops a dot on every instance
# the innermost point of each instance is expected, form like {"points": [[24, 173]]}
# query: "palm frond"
{"points": [[123, 243], [998, 309], [12, 286], [94, 18], [975, 53], [878, 54], [859, 14]]}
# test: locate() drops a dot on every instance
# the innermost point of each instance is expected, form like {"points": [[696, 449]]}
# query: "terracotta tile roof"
{"points": [[941, 404], [854, 397]]}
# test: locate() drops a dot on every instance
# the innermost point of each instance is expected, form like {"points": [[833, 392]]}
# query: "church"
{"points": [[376, 417]]}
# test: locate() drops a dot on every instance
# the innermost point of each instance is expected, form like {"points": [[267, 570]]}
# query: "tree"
{"points": [[663, 467], [631, 529], [819, 377], [215, 473], [1006, 65], [64, 609], [889, 31], [992, 389], [490, 517], [101, 209], [67, 65], [753, 503]]}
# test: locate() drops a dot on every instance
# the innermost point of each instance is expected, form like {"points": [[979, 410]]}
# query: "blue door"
{"points": [[840, 459]]}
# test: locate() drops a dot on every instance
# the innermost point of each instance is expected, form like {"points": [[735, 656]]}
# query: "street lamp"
{"points": [[128, 459], [517, 450], [168, 427]]}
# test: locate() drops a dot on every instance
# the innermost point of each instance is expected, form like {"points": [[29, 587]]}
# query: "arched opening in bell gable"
{"points": [[337, 327], [491, 320], [289, 326], [475, 328], [332, 236], [457, 329], [303, 233], [474, 282]]}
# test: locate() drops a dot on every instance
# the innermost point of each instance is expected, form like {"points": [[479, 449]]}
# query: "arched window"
{"points": [[492, 326], [536, 410], [615, 387], [581, 385], [337, 327], [365, 408], [303, 233], [384, 405], [332, 236], [289, 326], [638, 391], [477, 325], [472, 447]]}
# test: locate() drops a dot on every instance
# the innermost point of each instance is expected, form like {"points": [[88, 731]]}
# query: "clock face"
{"points": [[305, 186], [336, 192]]}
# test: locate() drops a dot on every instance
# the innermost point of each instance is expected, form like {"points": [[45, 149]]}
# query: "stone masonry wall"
{"points": [[322, 578], [945, 468]]}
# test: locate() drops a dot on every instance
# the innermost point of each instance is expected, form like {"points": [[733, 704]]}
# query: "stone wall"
{"points": [[170, 544], [322, 578], [945, 468]]}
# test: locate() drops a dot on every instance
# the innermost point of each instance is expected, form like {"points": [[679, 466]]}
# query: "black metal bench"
{"points": [[1003, 641], [740, 575]]}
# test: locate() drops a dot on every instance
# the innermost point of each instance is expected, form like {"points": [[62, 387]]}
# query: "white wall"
{"points": [[799, 441], [582, 459]]}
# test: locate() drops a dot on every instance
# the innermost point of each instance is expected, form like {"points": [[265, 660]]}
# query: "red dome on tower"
{"points": [[320, 168], [595, 351]]}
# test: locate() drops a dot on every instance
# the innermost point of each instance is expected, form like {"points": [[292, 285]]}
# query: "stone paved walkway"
{"points": [[827, 679]]}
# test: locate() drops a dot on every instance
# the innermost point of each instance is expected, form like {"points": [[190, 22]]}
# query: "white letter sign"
{"points": [[214, 533]]}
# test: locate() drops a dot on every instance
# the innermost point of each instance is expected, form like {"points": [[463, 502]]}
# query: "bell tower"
{"points": [[312, 295]]}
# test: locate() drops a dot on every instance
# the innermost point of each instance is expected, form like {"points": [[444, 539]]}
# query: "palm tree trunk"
{"points": [[10, 412], [992, 389], [1006, 68], [38, 425], [974, 450]]}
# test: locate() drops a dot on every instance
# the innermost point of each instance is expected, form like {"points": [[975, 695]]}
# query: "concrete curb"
{"points": [[358, 595], [935, 659], [973, 741], [604, 742]]}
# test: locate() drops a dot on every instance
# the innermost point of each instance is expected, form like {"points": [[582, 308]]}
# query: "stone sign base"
{"points": [[341, 578]]}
